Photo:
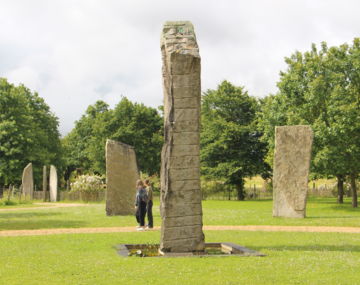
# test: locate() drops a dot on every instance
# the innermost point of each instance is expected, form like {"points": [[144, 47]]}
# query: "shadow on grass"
{"points": [[331, 217], [322, 248], [347, 208], [322, 200], [237, 201]]}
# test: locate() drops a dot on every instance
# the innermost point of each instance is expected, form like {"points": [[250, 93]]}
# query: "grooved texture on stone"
{"points": [[121, 175], [291, 170], [181, 211], [53, 184], [28, 181]]}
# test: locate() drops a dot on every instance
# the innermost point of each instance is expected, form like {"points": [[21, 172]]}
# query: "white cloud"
{"points": [[76, 52]]}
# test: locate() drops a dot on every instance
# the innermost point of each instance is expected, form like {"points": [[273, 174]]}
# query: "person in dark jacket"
{"points": [[140, 204], [149, 205]]}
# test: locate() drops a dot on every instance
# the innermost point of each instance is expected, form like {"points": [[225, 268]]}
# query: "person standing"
{"points": [[140, 204], [149, 204]]}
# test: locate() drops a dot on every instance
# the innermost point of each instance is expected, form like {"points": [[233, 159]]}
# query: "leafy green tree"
{"points": [[141, 127], [321, 88], [28, 133], [79, 143], [130, 123], [230, 145]]}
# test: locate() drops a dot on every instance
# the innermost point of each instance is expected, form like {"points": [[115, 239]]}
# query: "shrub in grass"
{"points": [[90, 187], [9, 203]]}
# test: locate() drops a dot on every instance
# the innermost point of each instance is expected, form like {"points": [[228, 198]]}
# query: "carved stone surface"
{"points": [[291, 170], [181, 211], [45, 180], [28, 181], [121, 175], [53, 184]]}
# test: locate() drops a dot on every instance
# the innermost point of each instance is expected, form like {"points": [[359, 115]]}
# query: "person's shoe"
{"points": [[148, 227], [140, 229]]}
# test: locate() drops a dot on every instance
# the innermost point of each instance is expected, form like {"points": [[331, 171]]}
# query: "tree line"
{"points": [[320, 88], [28, 133]]}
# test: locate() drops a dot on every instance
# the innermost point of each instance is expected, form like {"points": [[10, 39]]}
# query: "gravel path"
{"points": [[207, 228]]}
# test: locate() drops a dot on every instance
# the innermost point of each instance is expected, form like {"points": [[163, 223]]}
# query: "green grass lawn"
{"points": [[320, 212], [292, 258]]}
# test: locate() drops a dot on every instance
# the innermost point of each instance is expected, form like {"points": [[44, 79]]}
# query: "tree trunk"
{"points": [[240, 191], [353, 190], [340, 187]]}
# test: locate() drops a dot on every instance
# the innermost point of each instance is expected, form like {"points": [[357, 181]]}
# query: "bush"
{"points": [[6, 202], [154, 181], [89, 187], [211, 187], [9, 203]]}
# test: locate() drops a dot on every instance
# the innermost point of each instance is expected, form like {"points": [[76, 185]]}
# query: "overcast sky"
{"points": [[75, 52]]}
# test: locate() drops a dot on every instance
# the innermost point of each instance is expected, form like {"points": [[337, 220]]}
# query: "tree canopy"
{"points": [[230, 145], [130, 123], [321, 88], [28, 133]]}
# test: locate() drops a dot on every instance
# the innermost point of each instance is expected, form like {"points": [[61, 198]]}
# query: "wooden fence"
{"points": [[76, 196]]}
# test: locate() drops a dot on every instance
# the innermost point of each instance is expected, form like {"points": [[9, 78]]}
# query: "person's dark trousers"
{"points": [[142, 213], [137, 215], [149, 214]]}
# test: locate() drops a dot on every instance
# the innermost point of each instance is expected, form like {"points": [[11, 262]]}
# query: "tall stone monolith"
{"points": [[45, 184], [291, 170], [181, 211], [53, 184], [121, 175], [28, 181]]}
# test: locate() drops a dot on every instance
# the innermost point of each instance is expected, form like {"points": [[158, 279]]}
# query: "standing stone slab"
{"points": [[291, 170], [121, 175], [45, 180], [28, 181], [53, 184], [181, 211]]}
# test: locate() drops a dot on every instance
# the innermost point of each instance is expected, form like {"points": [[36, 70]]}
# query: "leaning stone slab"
{"points": [[181, 211], [28, 181], [291, 170], [121, 175], [53, 184]]}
